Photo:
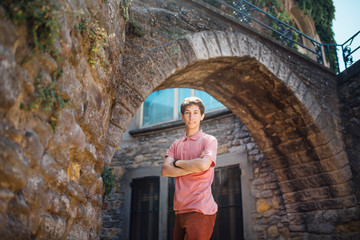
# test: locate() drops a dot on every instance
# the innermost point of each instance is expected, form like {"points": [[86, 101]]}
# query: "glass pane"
{"points": [[226, 189], [144, 217], [159, 107], [210, 102]]}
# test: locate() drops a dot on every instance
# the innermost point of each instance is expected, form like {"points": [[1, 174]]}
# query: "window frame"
{"points": [[176, 113]]}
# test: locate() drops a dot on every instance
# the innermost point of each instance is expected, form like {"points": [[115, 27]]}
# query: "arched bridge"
{"points": [[288, 102]]}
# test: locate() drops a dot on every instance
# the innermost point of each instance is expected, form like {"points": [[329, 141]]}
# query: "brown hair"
{"points": [[192, 100]]}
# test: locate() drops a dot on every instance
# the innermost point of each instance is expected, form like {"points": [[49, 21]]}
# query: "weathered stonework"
{"points": [[50, 183]]}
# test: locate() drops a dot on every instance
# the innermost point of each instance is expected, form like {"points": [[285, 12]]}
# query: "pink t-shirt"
{"points": [[193, 191]]}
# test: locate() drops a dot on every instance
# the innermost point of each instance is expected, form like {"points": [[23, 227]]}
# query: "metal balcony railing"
{"points": [[324, 53]]}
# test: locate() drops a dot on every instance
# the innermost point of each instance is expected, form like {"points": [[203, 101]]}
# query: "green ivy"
{"points": [[323, 14], [46, 97], [40, 18], [124, 9], [109, 180], [96, 36]]}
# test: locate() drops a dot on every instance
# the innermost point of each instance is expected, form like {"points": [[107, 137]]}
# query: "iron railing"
{"points": [[324, 53]]}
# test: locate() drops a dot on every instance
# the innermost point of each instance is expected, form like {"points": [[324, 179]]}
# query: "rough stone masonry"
{"points": [[51, 186]]}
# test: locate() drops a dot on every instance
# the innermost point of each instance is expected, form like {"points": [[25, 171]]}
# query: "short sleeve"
{"points": [[171, 151], [210, 150]]}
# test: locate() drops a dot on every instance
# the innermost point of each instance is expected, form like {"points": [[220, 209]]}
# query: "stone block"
{"points": [[315, 111], [320, 228], [198, 45], [305, 169], [137, 81], [267, 59], [243, 44], [335, 162], [120, 117], [128, 97], [233, 42], [223, 43], [262, 206], [293, 146], [337, 145], [188, 49], [267, 194], [335, 203], [273, 232], [317, 139], [324, 152], [293, 82], [284, 72], [341, 176], [308, 100], [176, 54], [88, 176], [254, 47], [211, 44], [54, 227], [297, 228], [114, 136], [108, 154], [284, 232], [11, 79], [163, 61], [33, 149], [301, 207], [150, 71], [301, 91]]}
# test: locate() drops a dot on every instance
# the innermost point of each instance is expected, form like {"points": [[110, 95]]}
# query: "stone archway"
{"points": [[297, 134]]}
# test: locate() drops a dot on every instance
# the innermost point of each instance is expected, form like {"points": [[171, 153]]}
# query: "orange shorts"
{"points": [[193, 226]]}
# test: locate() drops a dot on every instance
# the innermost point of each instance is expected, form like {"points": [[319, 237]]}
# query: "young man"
{"points": [[191, 160]]}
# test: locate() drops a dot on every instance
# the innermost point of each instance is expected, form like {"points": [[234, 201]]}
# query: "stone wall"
{"points": [[349, 95], [145, 150], [51, 185]]}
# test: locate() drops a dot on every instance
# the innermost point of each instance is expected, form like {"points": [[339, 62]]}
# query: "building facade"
{"points": [[245, 187]]}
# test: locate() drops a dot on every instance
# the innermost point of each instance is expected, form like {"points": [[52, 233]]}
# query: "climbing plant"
{"points": [[47, 98], [96, 36], [124, 9], [108, 180], [40, 18], [323, 14]]}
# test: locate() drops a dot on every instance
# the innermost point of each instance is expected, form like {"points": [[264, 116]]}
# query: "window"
{"points": [[144, 216], [226, 189], [164, 105]]}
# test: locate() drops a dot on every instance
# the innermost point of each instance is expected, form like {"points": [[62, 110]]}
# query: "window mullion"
{"points": [[176, 103]]}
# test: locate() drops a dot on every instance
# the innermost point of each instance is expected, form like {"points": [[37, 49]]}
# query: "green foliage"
{"points": [[95, 35], [46, 97], [108, 180], [323, 14], [124, 9], [40, 18]]}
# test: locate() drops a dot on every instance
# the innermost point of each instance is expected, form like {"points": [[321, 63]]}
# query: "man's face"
{"points": [[192, 116]]}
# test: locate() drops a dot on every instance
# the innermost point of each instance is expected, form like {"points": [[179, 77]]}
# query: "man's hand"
{"points": [[169, 170]]}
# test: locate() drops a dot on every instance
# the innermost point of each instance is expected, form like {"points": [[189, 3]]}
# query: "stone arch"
{"points": [[296, 133]]}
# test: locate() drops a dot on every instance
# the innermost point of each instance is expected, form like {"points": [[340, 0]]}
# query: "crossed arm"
{"points": [[185, 167]]}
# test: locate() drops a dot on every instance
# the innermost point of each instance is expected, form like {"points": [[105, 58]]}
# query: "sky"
{"points": [[346, 24]]}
